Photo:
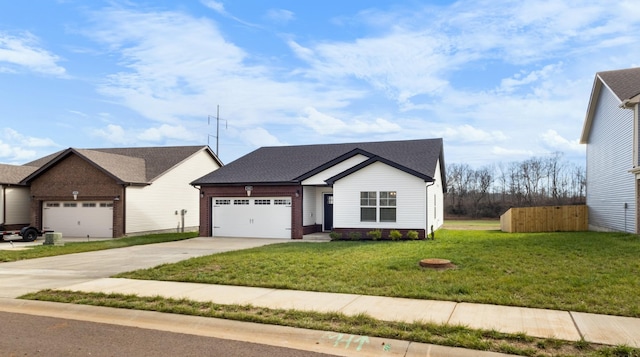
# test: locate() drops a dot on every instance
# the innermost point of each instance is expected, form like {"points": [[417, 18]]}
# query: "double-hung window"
{"points": [[388, 206], [368, 206], [374, 210]]}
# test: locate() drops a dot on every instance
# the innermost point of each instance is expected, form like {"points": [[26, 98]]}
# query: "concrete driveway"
{"points": [[25, 276]]}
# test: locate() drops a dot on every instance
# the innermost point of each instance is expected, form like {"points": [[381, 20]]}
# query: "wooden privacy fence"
{"points": [[545, 219]]}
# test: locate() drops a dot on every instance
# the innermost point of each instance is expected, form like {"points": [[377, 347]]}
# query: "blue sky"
{"points": [[499, 81]]}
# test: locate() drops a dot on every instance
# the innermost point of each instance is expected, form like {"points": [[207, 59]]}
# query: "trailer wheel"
{"points": [[30, 235]]}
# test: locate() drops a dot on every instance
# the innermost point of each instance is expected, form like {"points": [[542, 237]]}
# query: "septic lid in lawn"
{"points": [[436, 263]]}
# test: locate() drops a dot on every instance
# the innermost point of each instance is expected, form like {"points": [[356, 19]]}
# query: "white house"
{"points": [[290, 191], [611, 134]]}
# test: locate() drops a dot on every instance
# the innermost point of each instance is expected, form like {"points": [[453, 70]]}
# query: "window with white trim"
{"points": [[241, 202], [368, 206], [262, 202], [282, 202], [223, 202], [387, 206]]}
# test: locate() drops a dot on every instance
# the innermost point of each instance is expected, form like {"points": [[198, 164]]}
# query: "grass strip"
{"points": [[364, 325], [41, 251]]}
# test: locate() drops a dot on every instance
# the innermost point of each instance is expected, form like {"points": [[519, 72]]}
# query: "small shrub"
{"points": [[412, 235], [355, 235], [335, 236], [395, 234], [375, 234]]}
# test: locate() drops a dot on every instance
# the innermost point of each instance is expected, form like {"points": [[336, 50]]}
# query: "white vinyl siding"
{"points": [[319, 178], [411, 197], [309, 212], [17, 203], [435, 195], [154, 207], [610, 185]]}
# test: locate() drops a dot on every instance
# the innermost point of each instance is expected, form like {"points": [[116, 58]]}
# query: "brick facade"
{"points": [[292, 191], [75, 174]]}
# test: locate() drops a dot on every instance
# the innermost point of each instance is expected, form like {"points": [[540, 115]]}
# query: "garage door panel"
{"points": [[252, 217], [79, 219]]}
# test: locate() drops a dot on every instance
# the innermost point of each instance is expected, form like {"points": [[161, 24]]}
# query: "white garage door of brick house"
{"points": [[79, 219], [260, 217]]}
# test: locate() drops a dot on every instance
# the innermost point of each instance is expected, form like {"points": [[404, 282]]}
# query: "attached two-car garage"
{"points": [[259, 217], [79, 218]]}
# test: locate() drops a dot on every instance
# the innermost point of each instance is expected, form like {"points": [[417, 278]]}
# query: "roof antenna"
{"points": [[217, 136]]}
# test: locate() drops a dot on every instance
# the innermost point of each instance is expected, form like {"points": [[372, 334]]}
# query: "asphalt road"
{"points": [[28, 335]]}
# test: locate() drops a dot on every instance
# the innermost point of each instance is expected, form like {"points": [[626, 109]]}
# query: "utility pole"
{"points": [[217, 136]]}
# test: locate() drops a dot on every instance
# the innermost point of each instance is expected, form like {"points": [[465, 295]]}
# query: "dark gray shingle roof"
{"points": [[288, 164], [625, 83]]}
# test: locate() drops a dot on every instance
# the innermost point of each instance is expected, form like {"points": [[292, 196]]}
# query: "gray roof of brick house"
{"points": [[13, 174], [140, 165], [292, 164]]}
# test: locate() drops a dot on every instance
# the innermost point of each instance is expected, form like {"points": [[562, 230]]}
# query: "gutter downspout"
{"points": [[426, 223], [4, 205]]}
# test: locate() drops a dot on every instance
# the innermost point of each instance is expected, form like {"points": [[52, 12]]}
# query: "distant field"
{"points": [[464, 224]]}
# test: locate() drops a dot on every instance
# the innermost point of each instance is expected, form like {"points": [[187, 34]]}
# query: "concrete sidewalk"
{"points": [[332, 343], [571, 326]]}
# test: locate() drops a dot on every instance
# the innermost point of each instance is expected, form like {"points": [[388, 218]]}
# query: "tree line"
{"points": [[489, 191]]}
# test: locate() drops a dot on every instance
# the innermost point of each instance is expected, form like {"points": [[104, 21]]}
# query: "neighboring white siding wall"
{"points": [[319, 178], [153, 207], [435, 202], [411, 193], [309, 212], [609, 158], [18, 204]]}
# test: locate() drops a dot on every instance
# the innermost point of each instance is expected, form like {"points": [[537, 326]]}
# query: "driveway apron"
{"points": [[26, 276]]}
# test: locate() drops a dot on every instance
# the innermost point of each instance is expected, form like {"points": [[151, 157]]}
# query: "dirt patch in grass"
{"points": [[471, 224]]}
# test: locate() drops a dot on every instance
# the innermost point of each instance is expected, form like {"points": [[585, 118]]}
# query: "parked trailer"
{"points": [[28, 234]]}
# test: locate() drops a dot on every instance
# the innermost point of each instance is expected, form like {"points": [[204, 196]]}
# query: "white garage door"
{"points": [[260, 217], [79, 219]]}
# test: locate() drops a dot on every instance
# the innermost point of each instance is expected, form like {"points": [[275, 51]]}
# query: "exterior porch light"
{"points": [[248, 189], [75, 195]]}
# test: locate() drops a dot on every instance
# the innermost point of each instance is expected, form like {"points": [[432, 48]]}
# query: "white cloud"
{"points": [[258, 137], [23, 51], [216, 6], [280, 16], [468, 134], [18, 148], [556, 142], [113, 134], [512, 153], [164, 132], [328, 125]]}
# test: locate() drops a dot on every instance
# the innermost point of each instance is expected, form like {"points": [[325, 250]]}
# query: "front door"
{"points": [[328, 212]]}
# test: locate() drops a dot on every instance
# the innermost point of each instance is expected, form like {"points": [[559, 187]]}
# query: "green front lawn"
{"points": [[578, 271]]}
